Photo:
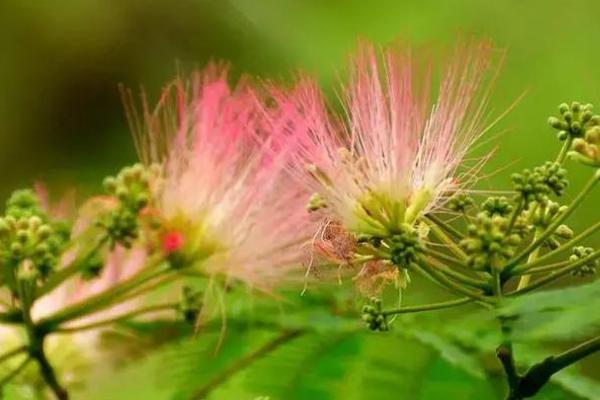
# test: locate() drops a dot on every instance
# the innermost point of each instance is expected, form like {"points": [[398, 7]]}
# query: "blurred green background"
{"points": [[61, 119]]}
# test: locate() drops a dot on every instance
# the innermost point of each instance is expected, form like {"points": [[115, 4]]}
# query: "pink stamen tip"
{"points": [[172, 242]]}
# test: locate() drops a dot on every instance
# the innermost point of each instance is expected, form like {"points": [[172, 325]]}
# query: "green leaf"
{"points": [[451, 352], [559, 314]]}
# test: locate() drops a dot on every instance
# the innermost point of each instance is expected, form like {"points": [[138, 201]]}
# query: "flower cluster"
{"points": [[255, 183]]}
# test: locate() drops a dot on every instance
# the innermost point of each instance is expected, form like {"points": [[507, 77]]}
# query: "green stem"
{"points": [[446, 226], [428, 307], [455, 262], [497, 285], [555, 224], [515, 215], [457, 276], [107, 298], [566, 246], [524, 280], [564, 150], [449, 284], [119, 318], [557, 274], [549, 267], [449, 242], [244, 362], [65, 273]]}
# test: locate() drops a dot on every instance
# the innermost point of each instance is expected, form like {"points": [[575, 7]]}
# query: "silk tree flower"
{"points": [[224, 202], [396, 154]]}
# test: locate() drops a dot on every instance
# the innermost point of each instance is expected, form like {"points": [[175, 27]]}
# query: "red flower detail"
{"points": [[172, 242]]}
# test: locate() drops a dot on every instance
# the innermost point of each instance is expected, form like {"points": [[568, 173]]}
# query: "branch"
{"points": [[539, 374]]}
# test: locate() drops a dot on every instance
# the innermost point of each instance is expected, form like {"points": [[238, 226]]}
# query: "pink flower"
{"points": [[395, 155], [224, 201]]}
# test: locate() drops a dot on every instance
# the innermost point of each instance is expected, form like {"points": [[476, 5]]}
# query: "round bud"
{"points": [[122, 193], [579, 145], [4, 228], [586, 116], [568, 116], [23, 235], [137, 170], [23, 223], [563, 108], [141, 200], [562, 135], [42, 248], [16, 249], [576, 127], [575, 106], [35, 222], [44, 231], [592, 135], [555, 123], [10, 221], [564, 232], [110, 184]]}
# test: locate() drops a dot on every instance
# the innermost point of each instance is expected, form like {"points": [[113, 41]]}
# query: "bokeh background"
{"points": [[62, 122]]}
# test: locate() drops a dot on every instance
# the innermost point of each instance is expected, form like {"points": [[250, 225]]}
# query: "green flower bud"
{"points": [[4, 227], [563, 108], [564, 232], [16, 249], [44, 232], [110, 185], [555, 123], [23, 235]]}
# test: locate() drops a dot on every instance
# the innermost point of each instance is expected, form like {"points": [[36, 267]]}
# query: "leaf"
{"points": [[352, 366], [451, 352], [559, 314]]}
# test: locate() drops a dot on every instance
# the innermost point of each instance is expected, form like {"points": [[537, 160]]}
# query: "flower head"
{"points": [[223, 201], [396, 154]]}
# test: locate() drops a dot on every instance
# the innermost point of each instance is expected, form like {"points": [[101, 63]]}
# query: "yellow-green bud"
{"points": [[110, 184], [564, 232], [44, 231], [35, 222]]}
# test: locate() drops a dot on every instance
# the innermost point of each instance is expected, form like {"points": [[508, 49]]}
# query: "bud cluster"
{"points": [[497, 206], [131, 187], [574, 120], [404, 246], [488, 244], [373, 316], [30, 243], [460, 202], [537, 185], [587, 269]]}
